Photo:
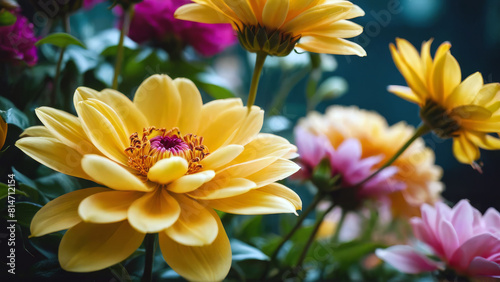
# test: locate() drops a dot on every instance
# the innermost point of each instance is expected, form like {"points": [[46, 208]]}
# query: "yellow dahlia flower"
{"points": [[465, 110], [3, 132], [167, 161], [276, 26], [416, 168]]}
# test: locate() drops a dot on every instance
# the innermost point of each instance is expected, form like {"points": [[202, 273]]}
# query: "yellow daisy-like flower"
{"points": [[464, 110], [168, 161], [274, 27], [416, 166], [3, 132]]}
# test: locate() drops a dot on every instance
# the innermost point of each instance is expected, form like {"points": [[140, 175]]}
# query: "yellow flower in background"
{"points": [[466, 111], [276, 26], [416, 168], [3, 132], [168, 161]]}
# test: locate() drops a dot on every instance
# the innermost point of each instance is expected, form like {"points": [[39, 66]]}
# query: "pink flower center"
{"points": [[173, 144]]}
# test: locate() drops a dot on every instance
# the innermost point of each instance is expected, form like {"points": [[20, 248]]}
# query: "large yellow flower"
{"points": [[416, 166], [464, 110], [276, 26], [168, 161]]}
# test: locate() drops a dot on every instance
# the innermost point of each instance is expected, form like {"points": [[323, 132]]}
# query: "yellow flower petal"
{"points": [[250, 127], [54, 154], [196, 226], [411, 57], [37, 131], [273, 198], [471, 112], [405, 93], [464, 150], [89, 247], [206, 263], [191, 105], [107, 207], [220, 131], [446, 76], [159, 100], [484, 140], [466, 92], [247, 168], [200, 13], [318, 15], [274, 13], [111, 174], [60, 213], [330, 45], [168, 170], [278, 170], [490, 125], [412, 79], [243, 10], [223, 188], [212, 109], [221, 156], [104, 128], [67, 128], [190, 182], [486, 94], [154, 212], [425, 53], [340, 29], [264, 145]]}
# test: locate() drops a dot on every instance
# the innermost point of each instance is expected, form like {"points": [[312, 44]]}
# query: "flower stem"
{"points": [[421, 130], [301, 219], [312, 236], [259, 64], [336, 235], [119, 52], [149, 243], [57, 77]]}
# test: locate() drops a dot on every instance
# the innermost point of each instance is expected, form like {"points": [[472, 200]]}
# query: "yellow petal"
{"points": [[60, 213], [471, 112], [200, 13], [425, 54], [484, 140], [486, 94], [318, 15], [223, 188], [489, 125], [340, 29], [190, 182], [330, 45], [107, 207], [274, 13], [405, 93], [89, 247], [37, 131], [273, 198], [250, 127], [264, 145], [104, 129], [243, 10], [222, 129], [464, 150], [278, 170], [445, 77], [111, 174], [412, 79], [212, 109], [411, 57], [159, 100], [247, 168], [168, 170], [191, 104], [154, 212], [196, 226], [67, 128], [54, 154], [206, 263], [466, 92], [221, 156]]}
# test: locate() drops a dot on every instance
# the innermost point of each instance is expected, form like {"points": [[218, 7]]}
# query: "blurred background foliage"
{"points": [[287, 86]]}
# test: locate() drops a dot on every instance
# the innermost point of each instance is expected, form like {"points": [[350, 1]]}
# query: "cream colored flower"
{"points": [[416, 166], [168, 161]]}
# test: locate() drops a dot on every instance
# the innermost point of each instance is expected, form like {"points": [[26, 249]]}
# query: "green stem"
{"points": [[57, 77], [289, 82], [149, 244], [336, 235], [312, 236], [421, 130], [259, 64], [301, 219], [119, 54]]}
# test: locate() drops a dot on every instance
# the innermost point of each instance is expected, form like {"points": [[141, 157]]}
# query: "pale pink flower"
{"points": [[463, 239], [347, 161]]}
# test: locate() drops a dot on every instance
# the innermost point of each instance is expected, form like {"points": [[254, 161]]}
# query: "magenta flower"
{"points": [[154, 20], [345, 160], [89, 4], [465, 241], [17, 42]]}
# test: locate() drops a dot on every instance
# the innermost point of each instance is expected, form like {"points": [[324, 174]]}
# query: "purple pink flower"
{"points": [[463, 239], [17, 42]]}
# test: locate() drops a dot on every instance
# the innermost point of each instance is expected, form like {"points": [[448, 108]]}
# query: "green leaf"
{"points": [[4, 191], [352, 251], [216, 91], [12, 115], [25, 212], [119, 272], [61, 40], [242, 251], [7, 18]]}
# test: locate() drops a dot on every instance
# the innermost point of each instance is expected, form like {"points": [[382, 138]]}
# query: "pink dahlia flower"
{"points": [[154, 20], [345, 160], [463, 239], [17, 42]]}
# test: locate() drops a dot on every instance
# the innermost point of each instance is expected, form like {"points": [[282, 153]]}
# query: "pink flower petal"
{"points": [[424, 234], [491, 220], [311, 149], [407, 260], [448, 238], [482, 245], [482, 267], [462, 220]]}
